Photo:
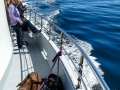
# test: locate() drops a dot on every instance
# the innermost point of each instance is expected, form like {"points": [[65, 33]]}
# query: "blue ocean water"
{"points": [[94, 21]]}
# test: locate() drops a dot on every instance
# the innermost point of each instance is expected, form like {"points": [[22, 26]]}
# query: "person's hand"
{"points": [[21, 22]]}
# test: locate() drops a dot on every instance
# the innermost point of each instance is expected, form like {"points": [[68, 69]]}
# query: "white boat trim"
{"points": [[6, 48]]}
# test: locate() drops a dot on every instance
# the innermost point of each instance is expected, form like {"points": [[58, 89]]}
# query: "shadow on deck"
{"points": [[24, 62]]}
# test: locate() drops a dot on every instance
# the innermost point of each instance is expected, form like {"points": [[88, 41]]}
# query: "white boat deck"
{"points": [[24, 62]]}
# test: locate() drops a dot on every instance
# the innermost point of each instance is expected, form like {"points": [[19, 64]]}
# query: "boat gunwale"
{"points": [[92, 66]]}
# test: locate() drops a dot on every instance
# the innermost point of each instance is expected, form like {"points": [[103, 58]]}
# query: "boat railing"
{"points": [[63, 40]]}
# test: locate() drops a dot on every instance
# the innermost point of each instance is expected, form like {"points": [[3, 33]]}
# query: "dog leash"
{"points": [[54, 60]]}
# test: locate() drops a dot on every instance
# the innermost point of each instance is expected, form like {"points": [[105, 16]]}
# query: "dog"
{"points": [[31, 82], [51, 83]]}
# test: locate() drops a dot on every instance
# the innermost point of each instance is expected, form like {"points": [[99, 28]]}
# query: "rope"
{"points": [[54, 60]]}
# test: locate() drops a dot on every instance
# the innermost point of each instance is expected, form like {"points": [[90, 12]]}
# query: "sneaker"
{"points": [[38, 32]]}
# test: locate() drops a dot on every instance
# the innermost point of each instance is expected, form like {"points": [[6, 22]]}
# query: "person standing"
{"points": [[17, 23]]}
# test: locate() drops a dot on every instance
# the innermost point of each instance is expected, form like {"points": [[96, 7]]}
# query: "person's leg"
{"points": [[19, 37], [26, 23], [30, 25]]}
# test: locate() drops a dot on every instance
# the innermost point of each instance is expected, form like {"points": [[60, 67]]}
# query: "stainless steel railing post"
{"points": [[49, 32], [80, 71], [81, 64], [41, 23], [61, 41], [78, 86], [30, 15], [35, 19]]}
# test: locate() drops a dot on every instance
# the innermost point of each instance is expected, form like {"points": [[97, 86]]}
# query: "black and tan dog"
{"points": [[31, 82]]}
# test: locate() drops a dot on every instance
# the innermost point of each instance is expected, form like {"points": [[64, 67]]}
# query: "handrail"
{"points": [[99, 77], [92, 66]]}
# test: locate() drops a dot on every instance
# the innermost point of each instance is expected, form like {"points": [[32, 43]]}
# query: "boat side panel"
{"points": [[6, 73], [50, 48], [6, 48]]}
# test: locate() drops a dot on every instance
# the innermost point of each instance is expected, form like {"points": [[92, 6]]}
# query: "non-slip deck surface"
{"points": [[24, 62]]}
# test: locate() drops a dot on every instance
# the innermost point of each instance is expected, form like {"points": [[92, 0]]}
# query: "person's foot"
{"points": [[38, 32], [22, 47]]}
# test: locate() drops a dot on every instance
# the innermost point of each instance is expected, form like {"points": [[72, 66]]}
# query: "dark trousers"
{"points": [[18, 30], [19, 37]]}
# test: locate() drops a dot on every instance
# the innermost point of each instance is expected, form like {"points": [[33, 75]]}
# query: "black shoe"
{"points": [[22, 47], [38, 32]]}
